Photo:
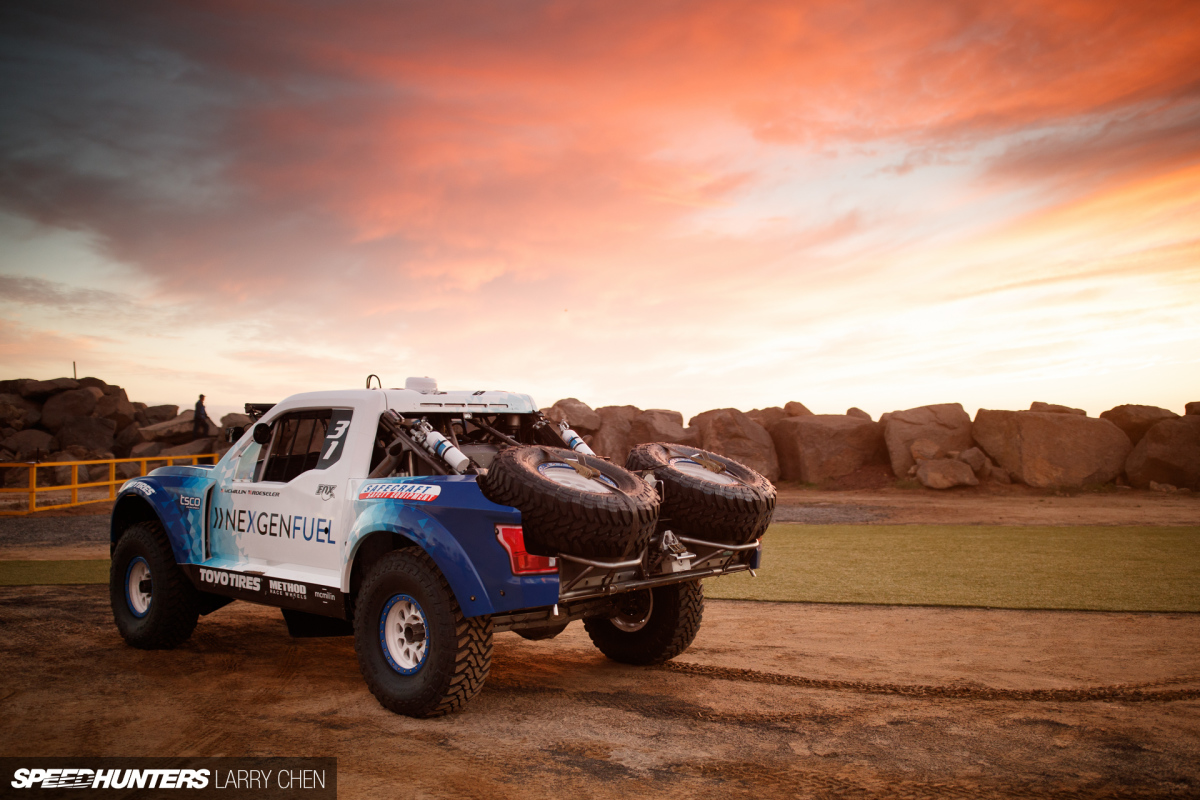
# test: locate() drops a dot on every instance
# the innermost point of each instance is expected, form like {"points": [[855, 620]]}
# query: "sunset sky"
{"points": [[681, 205]]}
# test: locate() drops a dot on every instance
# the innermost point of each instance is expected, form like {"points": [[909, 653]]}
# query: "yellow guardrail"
{"points": [[33, 490]]}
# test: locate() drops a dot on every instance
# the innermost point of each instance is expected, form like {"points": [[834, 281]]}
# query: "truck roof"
{"points": [[408, 401]]}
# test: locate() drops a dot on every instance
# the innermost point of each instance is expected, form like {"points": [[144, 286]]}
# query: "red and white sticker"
{"points": [[399, 491]]}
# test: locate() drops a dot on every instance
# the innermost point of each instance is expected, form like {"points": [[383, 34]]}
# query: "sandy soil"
{"points": [[772, 700]]}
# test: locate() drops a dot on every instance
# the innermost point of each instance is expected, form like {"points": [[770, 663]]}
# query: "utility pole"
{"points": [[74, 371]]}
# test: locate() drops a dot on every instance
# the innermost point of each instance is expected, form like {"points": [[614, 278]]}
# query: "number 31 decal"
{"points": [[339, 423]]}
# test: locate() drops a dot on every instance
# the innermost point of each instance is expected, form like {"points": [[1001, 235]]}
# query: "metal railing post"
{"points": [[74, 484]]}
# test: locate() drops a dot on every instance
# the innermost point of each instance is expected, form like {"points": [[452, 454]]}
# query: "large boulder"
{"points": [[582, 419], [129, 437], [767, 416], [145, 450], [68, 404], [40, 390], [1051, 449], [28, 444], [87, 432], [1192, 409], [794, 409], [947, 425], [660, 425], [18, 413], [157, 414], [615, 437], [235, 420], [1055, 408], [946, 473], [731, 433], [855, 411], [819, 447], [1136, 420], [175, 431], [974, 458], [90, 381], [1169, 453], [192, 448], [115, 405]]}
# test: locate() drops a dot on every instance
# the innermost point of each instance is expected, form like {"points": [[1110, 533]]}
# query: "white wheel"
{"points": [[404, 634], [700, 472], [565, 475], [137, 587]]}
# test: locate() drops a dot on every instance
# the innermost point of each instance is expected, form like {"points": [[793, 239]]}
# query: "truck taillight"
{"points": [[512, 539]]}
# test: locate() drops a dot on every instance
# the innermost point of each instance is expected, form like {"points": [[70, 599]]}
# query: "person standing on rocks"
{"points": [[200, 420]]}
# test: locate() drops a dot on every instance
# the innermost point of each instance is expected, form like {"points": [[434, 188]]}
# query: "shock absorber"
{"points": [[423, 434], [573, 440]]}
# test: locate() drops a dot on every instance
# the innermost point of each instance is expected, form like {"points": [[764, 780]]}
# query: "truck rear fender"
{"points": [[428, 534]]}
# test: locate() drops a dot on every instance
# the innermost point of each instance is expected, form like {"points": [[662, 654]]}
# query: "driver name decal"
{"points": [[399, 491]]}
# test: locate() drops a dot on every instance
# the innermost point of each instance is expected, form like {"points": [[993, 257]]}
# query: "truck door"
{"points": [[284, 504]]}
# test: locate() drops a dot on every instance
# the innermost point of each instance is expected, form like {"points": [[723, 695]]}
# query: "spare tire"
{"points": [[705, 495], [572, 503]]}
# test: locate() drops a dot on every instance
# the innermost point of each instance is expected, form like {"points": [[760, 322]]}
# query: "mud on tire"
{"points": [[441, 659], [733, 505], [573, 503], [650, 626], [154, 605]]}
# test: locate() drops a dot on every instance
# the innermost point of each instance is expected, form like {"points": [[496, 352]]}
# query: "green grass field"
{"points": [[30, 573], [1083, 567]]}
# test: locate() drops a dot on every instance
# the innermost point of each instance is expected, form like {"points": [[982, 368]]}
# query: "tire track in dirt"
{"points": [[1129, 693]]}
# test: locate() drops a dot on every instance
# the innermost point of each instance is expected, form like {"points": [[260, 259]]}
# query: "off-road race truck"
{"points": [[421, 523]]}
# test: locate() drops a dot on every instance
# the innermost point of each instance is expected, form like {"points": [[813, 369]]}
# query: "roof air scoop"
{"points": [[424, 385]]}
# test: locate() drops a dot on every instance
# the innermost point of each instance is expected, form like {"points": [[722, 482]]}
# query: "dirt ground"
{"points": [[771, 701]]}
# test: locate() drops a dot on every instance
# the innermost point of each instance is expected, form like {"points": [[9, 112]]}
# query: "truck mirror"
{"points": [[262, 433], [234, 433]]}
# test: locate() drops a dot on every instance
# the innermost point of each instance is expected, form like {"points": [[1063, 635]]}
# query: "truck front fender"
{"points": [[159, 498], [431, 537]]}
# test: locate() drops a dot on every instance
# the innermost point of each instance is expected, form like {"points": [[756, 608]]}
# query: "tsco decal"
{"points": [[399, 491]]}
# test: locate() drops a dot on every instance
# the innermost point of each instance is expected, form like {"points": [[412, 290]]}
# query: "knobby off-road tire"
{"points": [[632, 637], [165, 616], [610, 515], [733, 507], [457, 653]]}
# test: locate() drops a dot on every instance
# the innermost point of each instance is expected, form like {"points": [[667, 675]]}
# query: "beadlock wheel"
{"points": [[403, 633], [137, 587]]}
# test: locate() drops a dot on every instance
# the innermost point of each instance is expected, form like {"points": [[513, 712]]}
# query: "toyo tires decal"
{"points": [[399, 491]]}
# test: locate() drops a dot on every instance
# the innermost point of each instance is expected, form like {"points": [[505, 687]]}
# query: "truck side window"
{"points": [[304, 440], [248, 463]]}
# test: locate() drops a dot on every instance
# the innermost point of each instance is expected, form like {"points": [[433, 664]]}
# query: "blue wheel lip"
{"points": [[382, 625], [128, 599]]}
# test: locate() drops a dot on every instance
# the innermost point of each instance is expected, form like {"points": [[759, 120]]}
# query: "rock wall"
{"points": [[1049, 445], [938, 445], [87, 419]]}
